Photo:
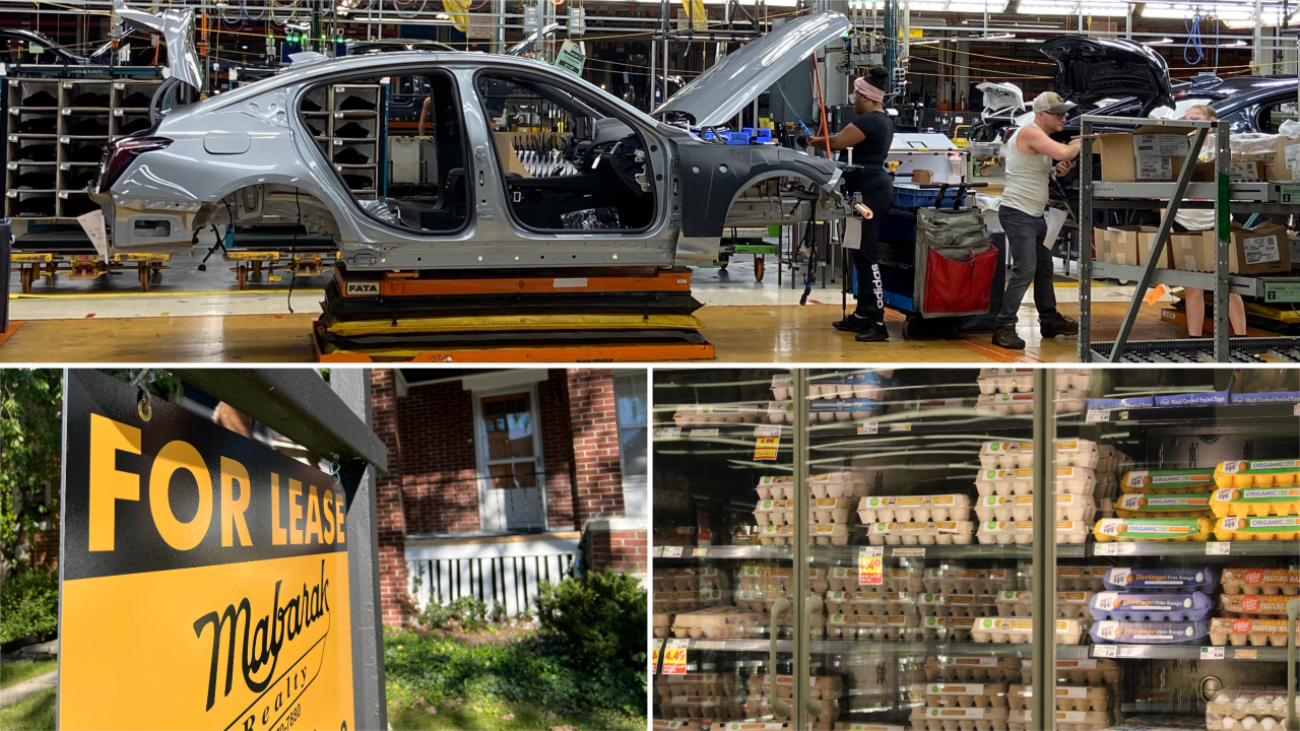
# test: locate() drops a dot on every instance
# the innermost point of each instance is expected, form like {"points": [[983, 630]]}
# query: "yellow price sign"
{"points": [[654, 660], [766, 447], [871, 566], [675, 658]]}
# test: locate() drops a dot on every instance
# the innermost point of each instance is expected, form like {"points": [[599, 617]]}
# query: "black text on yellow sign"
{"points": [[205, 577]]}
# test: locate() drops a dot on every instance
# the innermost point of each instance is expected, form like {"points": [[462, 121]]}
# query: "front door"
{"points": [[510, 466]]}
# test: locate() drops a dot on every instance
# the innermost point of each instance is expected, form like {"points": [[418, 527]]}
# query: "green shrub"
{"points": [[29, 604], [467, 611], [602, 614]]}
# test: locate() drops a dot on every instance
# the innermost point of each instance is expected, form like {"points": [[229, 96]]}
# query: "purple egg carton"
{"points": [[1161, 580], [1107, 632], [1160, 607]]}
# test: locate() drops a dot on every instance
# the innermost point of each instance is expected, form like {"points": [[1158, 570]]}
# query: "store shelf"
{"points": [[948, 422], [1204, 550], [1186, 652], [1191, 417], [878, 647], [850, 553]]}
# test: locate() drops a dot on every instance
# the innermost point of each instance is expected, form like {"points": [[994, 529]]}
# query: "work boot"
{"points": [[1005, 337], [1057, 324], [852, 323], [874, 332]]}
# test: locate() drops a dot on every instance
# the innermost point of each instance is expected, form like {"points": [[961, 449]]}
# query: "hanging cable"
{"points": [[1193, 45]]}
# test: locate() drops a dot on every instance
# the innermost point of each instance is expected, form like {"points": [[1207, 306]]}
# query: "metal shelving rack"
{"points": [[1226, 198], [363, 179]]}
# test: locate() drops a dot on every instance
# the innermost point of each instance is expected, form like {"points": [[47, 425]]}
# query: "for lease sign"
{"points": [[204, 575]]}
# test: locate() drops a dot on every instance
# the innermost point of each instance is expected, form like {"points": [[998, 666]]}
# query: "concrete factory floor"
{"points": [[201, 316]]}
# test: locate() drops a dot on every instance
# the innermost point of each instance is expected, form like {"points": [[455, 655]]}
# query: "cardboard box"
{"points": [[1131, 244], [1264, 250], [1100, 244], [1239, 171], [1153, 153], [1285, 163], [1190, 252]]}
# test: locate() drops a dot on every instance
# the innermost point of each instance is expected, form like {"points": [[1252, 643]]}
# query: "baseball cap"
{"points": [[1050, 101]]}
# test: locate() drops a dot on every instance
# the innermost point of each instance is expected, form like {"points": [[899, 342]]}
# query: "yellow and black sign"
{"points": [[204, 575]]}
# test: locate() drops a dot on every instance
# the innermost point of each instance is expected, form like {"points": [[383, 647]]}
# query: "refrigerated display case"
{"points": [[867, 547]]}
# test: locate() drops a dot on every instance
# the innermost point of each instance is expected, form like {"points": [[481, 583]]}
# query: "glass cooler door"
{"points": [[1192, 556], [920, 550], [723, 540]]}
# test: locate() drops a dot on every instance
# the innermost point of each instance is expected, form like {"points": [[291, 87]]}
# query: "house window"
{"points": [[509, 446], [630, 395]]}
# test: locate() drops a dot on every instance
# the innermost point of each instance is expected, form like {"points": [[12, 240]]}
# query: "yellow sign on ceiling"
{"points": [[205, 575]]}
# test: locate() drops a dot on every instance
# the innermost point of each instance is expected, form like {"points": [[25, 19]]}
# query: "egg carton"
{"points": [[753, 575], [820, 687], [776, 535], [779, 487], [711, 707], [1069, 453], [1260, 501], [1196, 479], [957, 669], [696, 684], [697, 414], [844, 484], [1164, 607], [955, 605], [1022, 720], [1238, 631], [898, 580], [869, 385], [780, 412], [959, 719], [860, 726], [1261, 581], [843, 410], [681, 601], [947, 628], [817, 581], [946, 533], [914, 508], [1020, 508], [760, 707], [1247, 723], [1155, 505], [1107, 486], [873, 627], [1123, 632], [1258, 529], [1092, 671], [1241, 605], [863, 603], [1005, 380], [1022, 532], [1071, 480], [774, 512], [1237, 705], [1064, 402], [719, 622], [681, 724], [1068, 697], [829, 534], [1257, 473], [1080, 578], [832, 510], [1017, 630], [1153, 529], [1069, 605], [961, 695], [966, 581]]}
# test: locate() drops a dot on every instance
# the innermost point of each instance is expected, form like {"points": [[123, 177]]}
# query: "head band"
{"points": [[867, 91]]}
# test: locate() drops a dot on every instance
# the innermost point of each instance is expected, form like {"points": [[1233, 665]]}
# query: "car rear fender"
{"points": [[713, 176]]}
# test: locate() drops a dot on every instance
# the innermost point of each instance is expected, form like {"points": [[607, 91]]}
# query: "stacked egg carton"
{"points": [[1257, 500], [826, 689], [954, 599], [1252, 607], [1010, 390], [1153, 606], [1247, 710], [917, 519], [960, 706], [718, 414], [695, 696], [844, 397], [835, 497], [1081, 680]]}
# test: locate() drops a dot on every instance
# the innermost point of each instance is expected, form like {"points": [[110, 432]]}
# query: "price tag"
{"points": [[1212, 653], [668, 432], [1245, 655], [672, 552], [675, 657], [658, 552], [1097, 415], [871, 566], [1103, 651], [1128, 651], [767, 430], [654, 660], [873, 427], [1105, 549], [1217, 548], [914, 552], [766, 447], [697, 433], [900, 427], [710, 645], [1296, 410], [698, 552]]}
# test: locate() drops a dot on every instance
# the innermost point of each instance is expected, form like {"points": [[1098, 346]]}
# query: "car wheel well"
{"points": [[271, 203]]}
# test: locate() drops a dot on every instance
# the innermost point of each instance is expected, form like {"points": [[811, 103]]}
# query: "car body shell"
{"points": [[253, 137]]}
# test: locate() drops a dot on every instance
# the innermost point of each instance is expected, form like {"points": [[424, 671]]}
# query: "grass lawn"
{"points": [[509, 680], [33, 713], [20, 670]]}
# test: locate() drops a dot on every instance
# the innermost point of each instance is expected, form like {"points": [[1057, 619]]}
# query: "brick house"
{"points": [[500, 479]]}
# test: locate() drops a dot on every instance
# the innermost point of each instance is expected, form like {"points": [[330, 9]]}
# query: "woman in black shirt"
{"points": [[870, 135]]}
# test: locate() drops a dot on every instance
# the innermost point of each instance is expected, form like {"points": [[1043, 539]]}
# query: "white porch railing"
{"points": [[495, 571]]}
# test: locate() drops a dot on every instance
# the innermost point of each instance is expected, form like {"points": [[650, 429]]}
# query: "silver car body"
{"points": [[246, 153]]}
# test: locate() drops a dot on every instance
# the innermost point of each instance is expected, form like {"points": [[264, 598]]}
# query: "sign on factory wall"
{"points": [[571, 57], [204, 575]]}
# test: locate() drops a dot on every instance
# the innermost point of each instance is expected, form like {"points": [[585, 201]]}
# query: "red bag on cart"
{"points": [[959, 287]]}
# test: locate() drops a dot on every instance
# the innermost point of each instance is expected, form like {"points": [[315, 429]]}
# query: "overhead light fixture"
{"points": [[926, 42], [1094, 8], [996, 37]]}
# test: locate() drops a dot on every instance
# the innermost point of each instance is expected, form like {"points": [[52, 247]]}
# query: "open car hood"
{"points": [[1091, 69], [174, 26], [719, 93], [1003, 100]]}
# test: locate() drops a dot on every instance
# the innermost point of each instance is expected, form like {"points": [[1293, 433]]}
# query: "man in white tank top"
{"points": [[1030, 154]]}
